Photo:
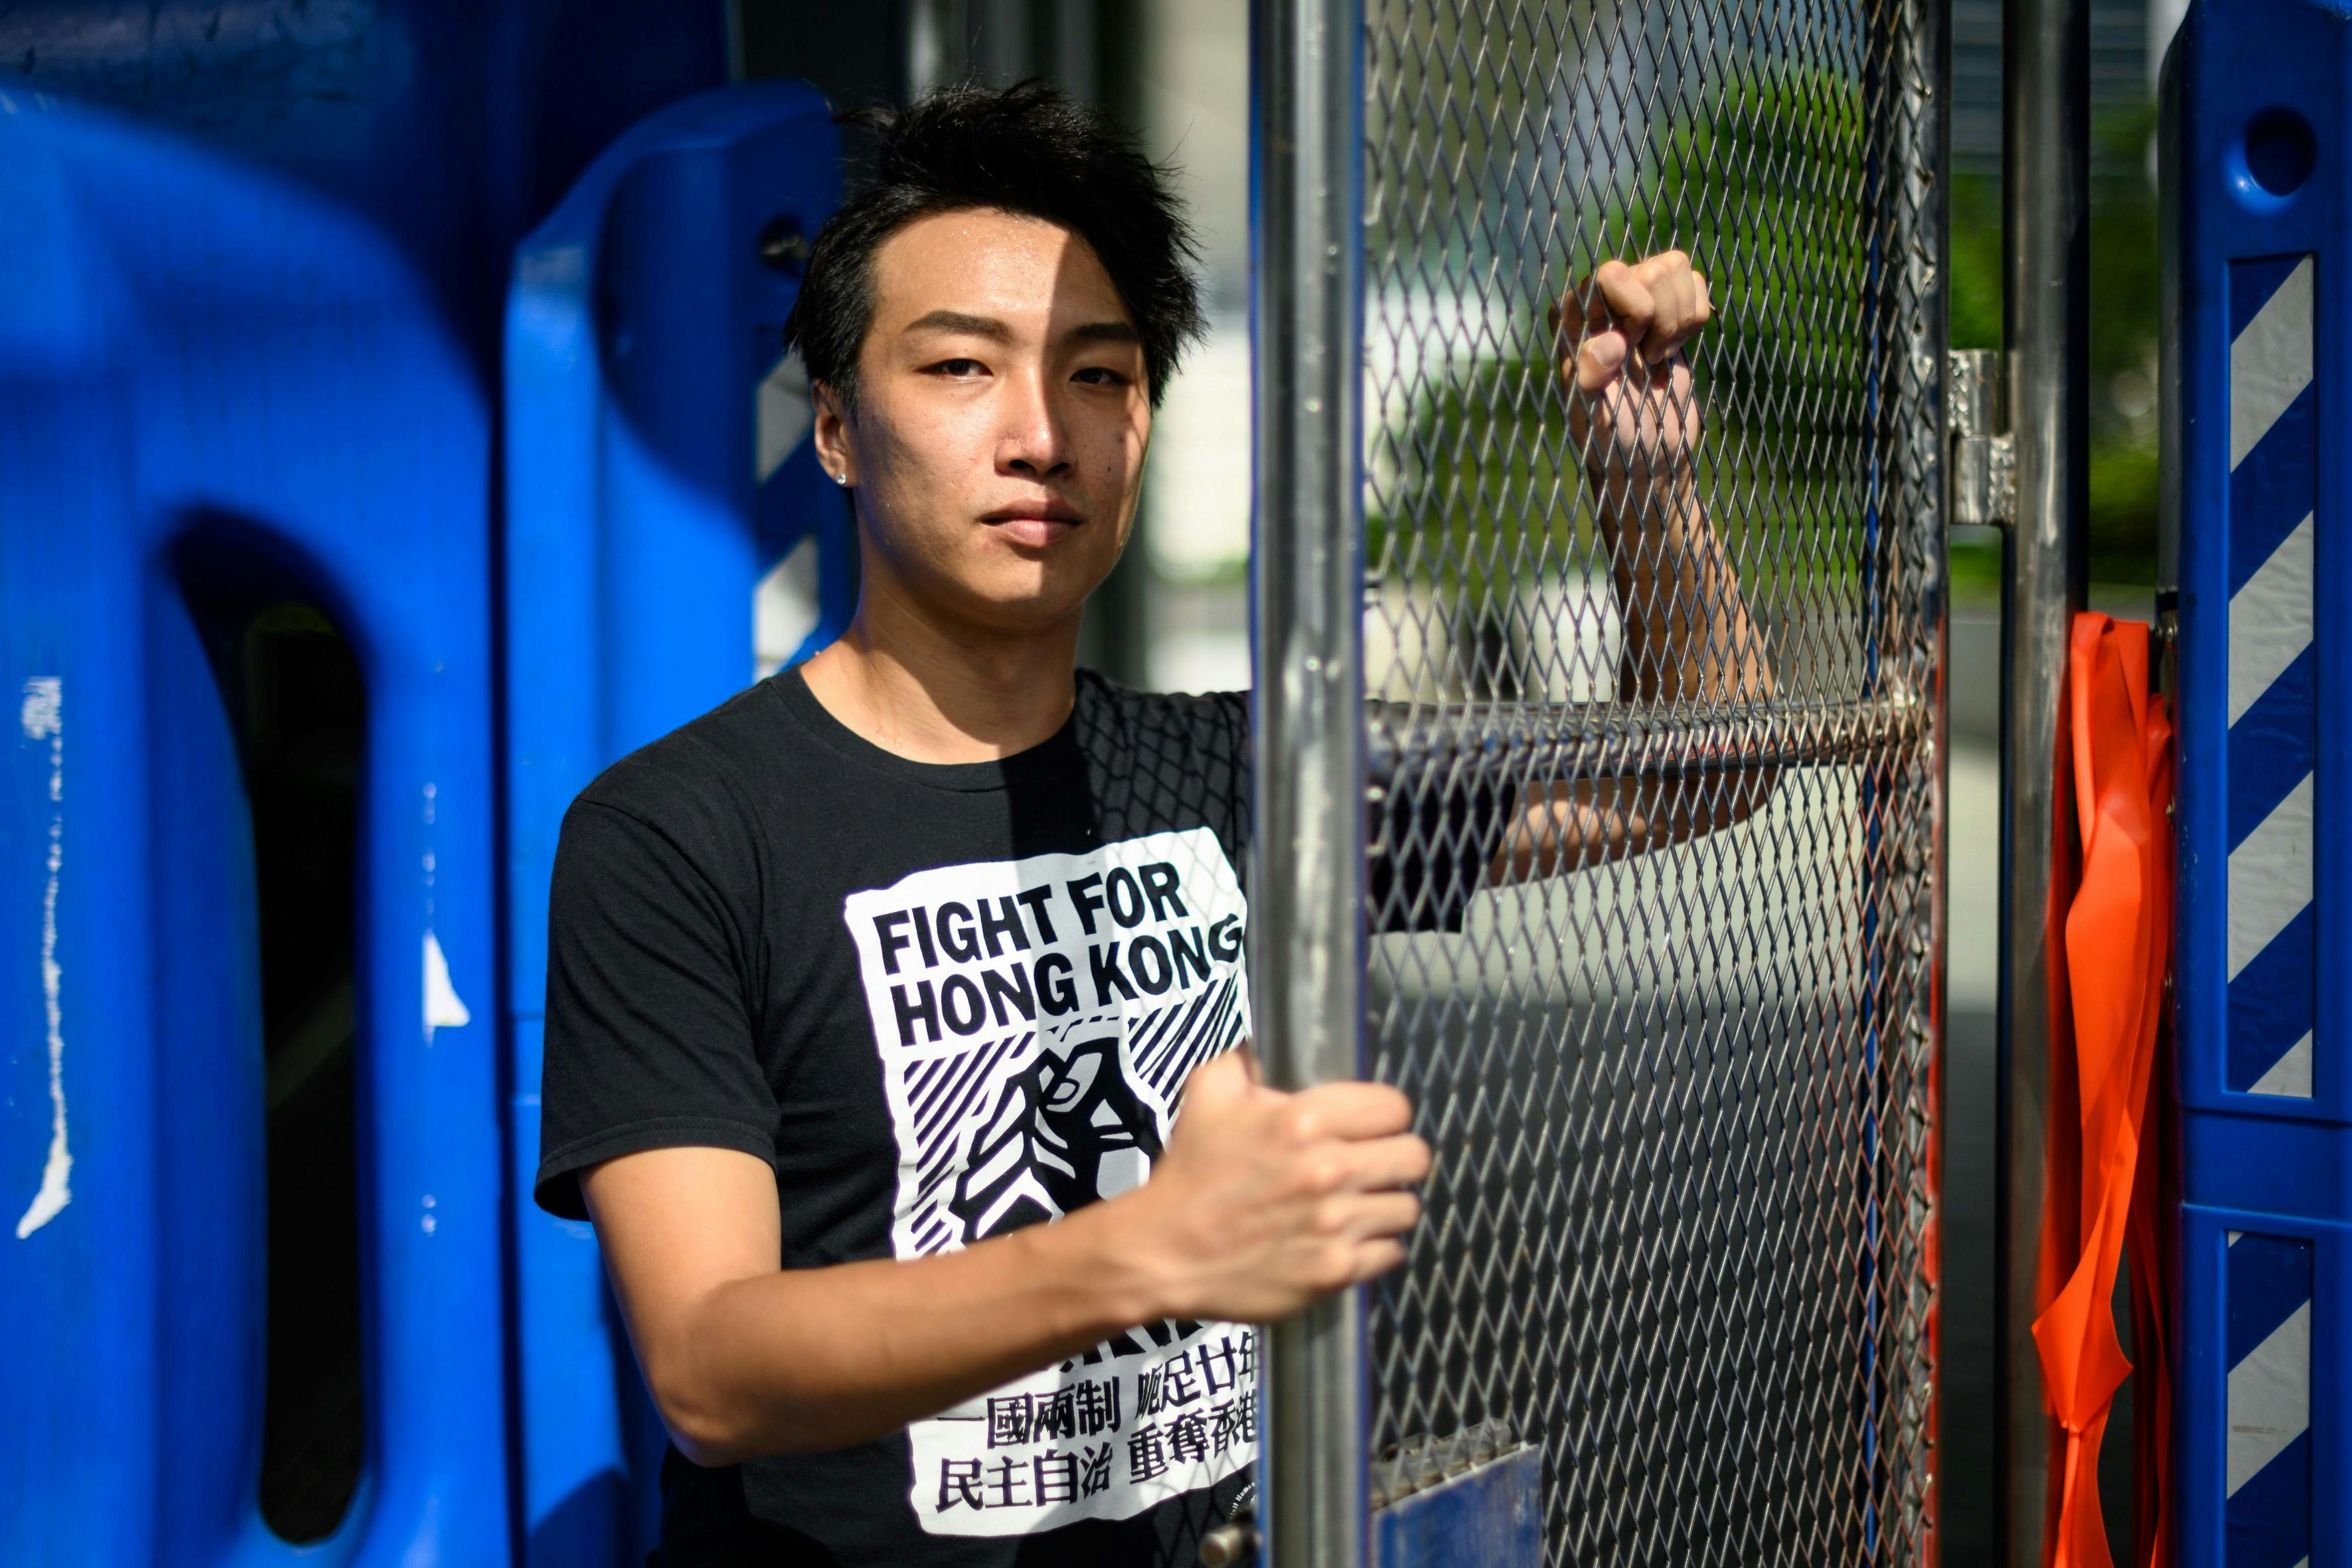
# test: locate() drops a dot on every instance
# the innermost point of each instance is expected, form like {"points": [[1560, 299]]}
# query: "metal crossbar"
{"points": [[1679, 1075], [1564, 743]]}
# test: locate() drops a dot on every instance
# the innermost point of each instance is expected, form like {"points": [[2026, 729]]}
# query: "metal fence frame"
{"points": [[2045, 331], [1307, 925], [1313, 763]]}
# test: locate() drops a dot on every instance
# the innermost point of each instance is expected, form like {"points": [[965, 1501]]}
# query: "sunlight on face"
{"points": [[997, 446]]}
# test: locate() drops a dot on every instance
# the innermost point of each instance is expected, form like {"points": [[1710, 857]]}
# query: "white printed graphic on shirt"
{"points": [[1037, 1020]]}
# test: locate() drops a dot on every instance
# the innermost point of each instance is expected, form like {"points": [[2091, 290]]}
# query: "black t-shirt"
{"points": [[942, 1002]]}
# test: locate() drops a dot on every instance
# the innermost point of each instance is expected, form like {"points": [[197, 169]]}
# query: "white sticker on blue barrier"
{"points": [[2270, 359], [2268, 1352], [2270, 621], [2274, 546], [43, 719]]}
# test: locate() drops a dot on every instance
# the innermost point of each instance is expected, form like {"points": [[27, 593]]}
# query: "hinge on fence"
{"points": [[1984, 458]]}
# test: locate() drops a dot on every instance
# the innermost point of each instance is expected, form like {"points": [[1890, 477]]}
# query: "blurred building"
{"points": [[2127, 43]]}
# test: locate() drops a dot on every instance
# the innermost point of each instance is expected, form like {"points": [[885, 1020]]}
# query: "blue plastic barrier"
{"points": [[2256, 159], [248, 353], [657, 469], [1488, 1516], [229, 387]]}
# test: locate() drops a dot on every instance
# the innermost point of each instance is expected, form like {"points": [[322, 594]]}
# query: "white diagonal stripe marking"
{"points": [[785, 413], [2290, 1076], [2270, 619], [2270, 362], [2269, 876], [2270, 1398]]}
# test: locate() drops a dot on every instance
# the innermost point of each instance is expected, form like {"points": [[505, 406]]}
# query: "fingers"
{"points": [[1626, 293], [1349, 1111], [1379, 1164], [1679, 304], [1599, 359], [1641, 313], [1382, 1215]]}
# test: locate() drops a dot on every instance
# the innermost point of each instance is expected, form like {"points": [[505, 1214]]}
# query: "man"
{"points": [[875, 992]]}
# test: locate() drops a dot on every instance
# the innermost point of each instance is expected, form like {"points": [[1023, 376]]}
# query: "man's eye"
{"points": [[1100, 375], [960, 367]]}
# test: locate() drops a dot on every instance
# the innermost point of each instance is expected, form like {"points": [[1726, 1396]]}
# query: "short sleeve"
{"points": [[1430, 847], [649, 1037]]}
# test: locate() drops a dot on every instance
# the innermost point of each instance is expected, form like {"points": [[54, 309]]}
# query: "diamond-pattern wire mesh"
{"points": [[1680, 1230]]}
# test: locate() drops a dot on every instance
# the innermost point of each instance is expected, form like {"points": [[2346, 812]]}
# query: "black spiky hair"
{"points": [[1028, 149]]}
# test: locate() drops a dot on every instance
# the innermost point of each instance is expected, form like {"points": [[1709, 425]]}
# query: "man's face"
{"points": [[1001, 416]]}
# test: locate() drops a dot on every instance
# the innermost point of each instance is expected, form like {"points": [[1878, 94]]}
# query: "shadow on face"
{"points": [[998, 439]]}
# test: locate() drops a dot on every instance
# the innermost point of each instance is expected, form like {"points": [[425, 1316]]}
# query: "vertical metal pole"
{"points": [[1905, 109], [2046, 254], [1307, 925]]}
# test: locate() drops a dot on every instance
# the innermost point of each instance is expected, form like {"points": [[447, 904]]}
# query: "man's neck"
{"points": [[935, 693]]}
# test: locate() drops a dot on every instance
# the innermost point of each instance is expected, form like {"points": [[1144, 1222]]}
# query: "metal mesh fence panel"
{"points": [[1652, 741]]}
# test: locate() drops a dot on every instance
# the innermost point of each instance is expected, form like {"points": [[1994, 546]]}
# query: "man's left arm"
{"points": [[1688, 636]]}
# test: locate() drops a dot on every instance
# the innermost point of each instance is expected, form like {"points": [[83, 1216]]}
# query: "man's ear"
{"points": [[831, 434]]}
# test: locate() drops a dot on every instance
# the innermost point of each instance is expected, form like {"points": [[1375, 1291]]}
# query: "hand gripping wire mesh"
{"points": [[1651, 673]]}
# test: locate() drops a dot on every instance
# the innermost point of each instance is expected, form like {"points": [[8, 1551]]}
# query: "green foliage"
{"points": [[2125, 281], [1975, 570], [1480, 475], [1765, 192], [2123, 494], [1763, 187], [1975, 279]]}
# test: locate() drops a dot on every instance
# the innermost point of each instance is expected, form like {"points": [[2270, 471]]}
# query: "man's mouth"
{"points": [[1034, 523]]}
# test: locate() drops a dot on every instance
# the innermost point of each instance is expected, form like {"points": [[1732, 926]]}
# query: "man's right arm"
{"points": [[1261, 1203]]}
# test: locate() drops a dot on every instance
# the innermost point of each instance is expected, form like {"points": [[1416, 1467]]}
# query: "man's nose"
{"points": [[1033, 442]]}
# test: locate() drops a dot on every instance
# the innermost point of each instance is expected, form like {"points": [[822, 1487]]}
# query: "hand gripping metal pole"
{"points": [[1307, 944], [2046, 248]]}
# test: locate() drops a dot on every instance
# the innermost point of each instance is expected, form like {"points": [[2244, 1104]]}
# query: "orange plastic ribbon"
{"points": [[2118, 940]]}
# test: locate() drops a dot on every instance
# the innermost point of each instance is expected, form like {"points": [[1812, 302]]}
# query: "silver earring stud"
{"points": [[841, 478]]}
